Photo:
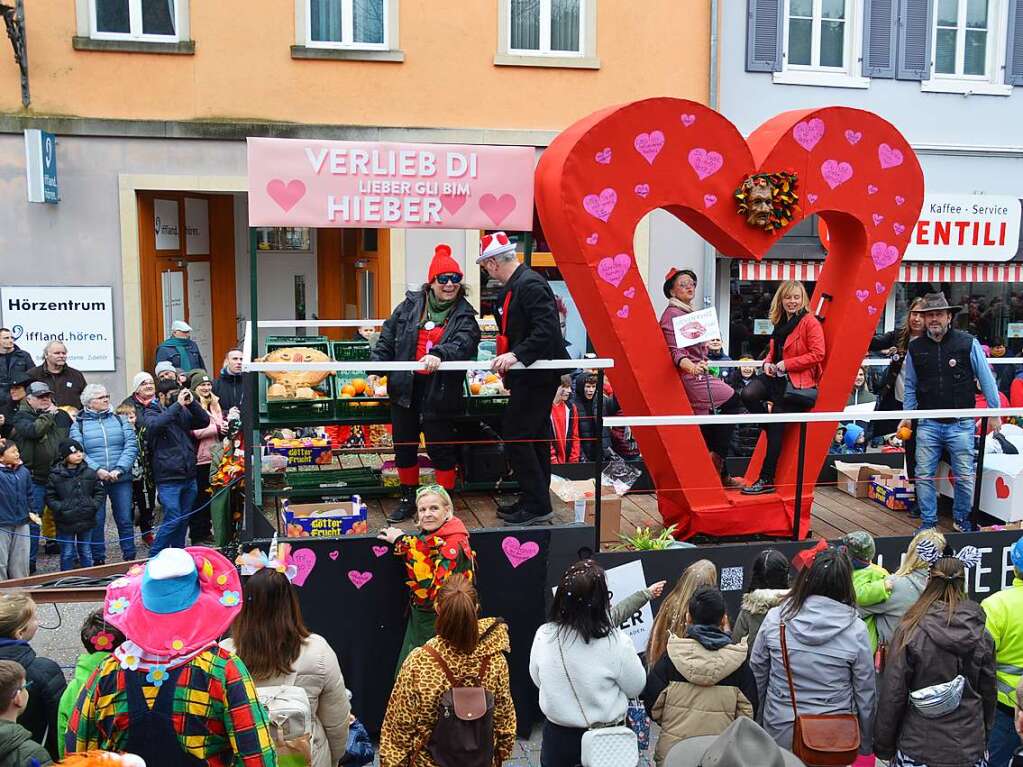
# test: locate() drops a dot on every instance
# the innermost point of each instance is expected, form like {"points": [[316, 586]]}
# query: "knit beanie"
{"points": [[443, 263], [164, 367], [139, 379], [197, 378], [860, 545], [69, 446]]}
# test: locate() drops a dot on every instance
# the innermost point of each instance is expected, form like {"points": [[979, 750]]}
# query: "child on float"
{"points": [[439, 550], [99, 639], [870, 581]]}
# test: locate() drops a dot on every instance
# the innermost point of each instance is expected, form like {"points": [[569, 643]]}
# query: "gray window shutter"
{"points": [[764, 35], [1014, 50], [915, 22], [880, 28]]}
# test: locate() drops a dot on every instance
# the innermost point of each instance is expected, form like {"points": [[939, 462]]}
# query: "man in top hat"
{"points": [[170, 693], [527, 315], [942, 371], [180, 350]]}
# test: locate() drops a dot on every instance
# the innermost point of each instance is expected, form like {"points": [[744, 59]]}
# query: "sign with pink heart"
{"points": [[379, 185]]}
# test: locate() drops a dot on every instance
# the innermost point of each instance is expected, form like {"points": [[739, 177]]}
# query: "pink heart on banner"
{"points": [[286, 195], [630, 293], [359, 579], [705, 163], [808, 133], [623, 312], [888, 157], [878, 218], [688, 119], [642, 189], [883, 255], [305, 561], [811, 198], [871, 310], [613, 270], [517, 552], [379, 551], [899, 199], [592, 239], [497, 209], [853, 136], [649, 145], [600, 206], [452, 203], [862, 295], [603, 156], [334, 554], [871, 189], [879, 287], [836, 173], [898, 228], [709, 200]]}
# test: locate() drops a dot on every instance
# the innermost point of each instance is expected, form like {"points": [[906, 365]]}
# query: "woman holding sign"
{"points": [[792, 370], [706, 392]]}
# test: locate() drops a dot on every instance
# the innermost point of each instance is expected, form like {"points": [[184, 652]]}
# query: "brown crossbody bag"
{"points": [[821, 739]]}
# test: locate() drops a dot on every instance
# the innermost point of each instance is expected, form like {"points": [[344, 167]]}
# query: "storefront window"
{"points": [[992, 311], [284, 238]]}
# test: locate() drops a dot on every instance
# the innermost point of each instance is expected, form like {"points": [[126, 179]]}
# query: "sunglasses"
{"points": [[444, 279]]}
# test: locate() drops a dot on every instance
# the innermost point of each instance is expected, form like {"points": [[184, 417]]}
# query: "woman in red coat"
{"points": [[793, 362]]}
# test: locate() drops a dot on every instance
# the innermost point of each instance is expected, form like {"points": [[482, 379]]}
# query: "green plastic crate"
{"points": [[477, 404], [350, 351], [296, 409], [333, 478], [359, 409]]}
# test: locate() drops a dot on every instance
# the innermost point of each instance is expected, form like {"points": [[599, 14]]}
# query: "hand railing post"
{"points": [[800, 456], [598, 471], [974, 512]]}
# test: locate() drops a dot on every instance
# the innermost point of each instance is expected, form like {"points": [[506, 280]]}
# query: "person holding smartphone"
{"points": [[170, 420]]}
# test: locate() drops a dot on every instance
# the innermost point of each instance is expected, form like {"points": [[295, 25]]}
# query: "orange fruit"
{"points": [[359, 385], [346, 395], [475, 387], [490, 378], [348, 389]]}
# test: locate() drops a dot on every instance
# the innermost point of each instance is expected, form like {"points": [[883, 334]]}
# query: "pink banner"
{"points": [[293, 182]]}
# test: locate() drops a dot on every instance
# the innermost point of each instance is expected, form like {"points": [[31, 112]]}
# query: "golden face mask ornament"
{"points": [[767, 200]]}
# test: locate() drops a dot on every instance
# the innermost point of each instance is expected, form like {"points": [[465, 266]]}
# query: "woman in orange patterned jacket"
{"points": [[467, 649], [437, 552]]}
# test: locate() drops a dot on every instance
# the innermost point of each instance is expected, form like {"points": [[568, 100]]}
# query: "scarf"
{"points": [[782, 331], [144, 401], [678, 304], [455, 533], [437, 311], [182, 345]]}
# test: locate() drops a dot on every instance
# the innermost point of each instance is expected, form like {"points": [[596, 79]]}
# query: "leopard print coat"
{"points": [[412, 709]]}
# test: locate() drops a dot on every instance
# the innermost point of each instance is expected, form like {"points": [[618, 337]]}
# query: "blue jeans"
{"points": [[75, 546], [120, 503], [39, 497], [932, 437], [176, 499], [1003, 740]]}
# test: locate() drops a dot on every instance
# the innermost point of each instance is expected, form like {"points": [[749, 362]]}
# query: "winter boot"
{"points": [[406, 508]]}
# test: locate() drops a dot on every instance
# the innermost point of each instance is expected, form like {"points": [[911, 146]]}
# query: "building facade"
{"points": [[150, 103], [946, 73]]}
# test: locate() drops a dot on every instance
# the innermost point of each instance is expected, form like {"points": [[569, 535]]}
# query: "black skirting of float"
{"points": [[355, 595]]}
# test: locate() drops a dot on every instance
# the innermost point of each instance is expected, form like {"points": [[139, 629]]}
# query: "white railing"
{"points": [[811, 417]]}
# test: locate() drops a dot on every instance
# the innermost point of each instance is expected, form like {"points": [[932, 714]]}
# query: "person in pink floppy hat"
{"points": [[170, 693]]}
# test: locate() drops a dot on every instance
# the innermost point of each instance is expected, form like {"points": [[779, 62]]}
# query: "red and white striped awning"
{"points": [[912, 271]]}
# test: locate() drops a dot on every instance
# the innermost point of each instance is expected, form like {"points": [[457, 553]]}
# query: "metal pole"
{"points": [[798, 513], [598, 409], [253, 465], [980, 472], [527, 246]]}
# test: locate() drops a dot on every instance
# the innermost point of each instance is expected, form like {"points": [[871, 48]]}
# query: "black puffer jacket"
{"points": [[590, 446], [169, 440], [14, 365], [230, 390], [47, 680], [38, 436], [73, 494], [937, 651], [397, 343]]}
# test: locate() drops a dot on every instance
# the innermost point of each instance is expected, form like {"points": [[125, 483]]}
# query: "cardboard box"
{"points": [[854, 478], [303, 452], [565, 493], [324, 520], [895, 493]]}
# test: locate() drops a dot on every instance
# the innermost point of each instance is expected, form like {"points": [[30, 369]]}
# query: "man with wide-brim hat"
{"points": [[943, 370], [170, 693], [742, 744]]}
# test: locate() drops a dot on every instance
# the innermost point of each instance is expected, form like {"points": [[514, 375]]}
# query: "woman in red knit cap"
{"points": [[432, 325]]}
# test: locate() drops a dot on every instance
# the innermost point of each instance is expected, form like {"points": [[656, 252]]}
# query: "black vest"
{"points": [[944, 371]]}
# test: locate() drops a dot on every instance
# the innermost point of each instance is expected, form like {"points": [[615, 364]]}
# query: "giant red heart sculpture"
{"points": [[603, 174]]}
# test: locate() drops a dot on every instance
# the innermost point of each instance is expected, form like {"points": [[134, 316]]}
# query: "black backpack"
{"points": [[464, 733]]}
